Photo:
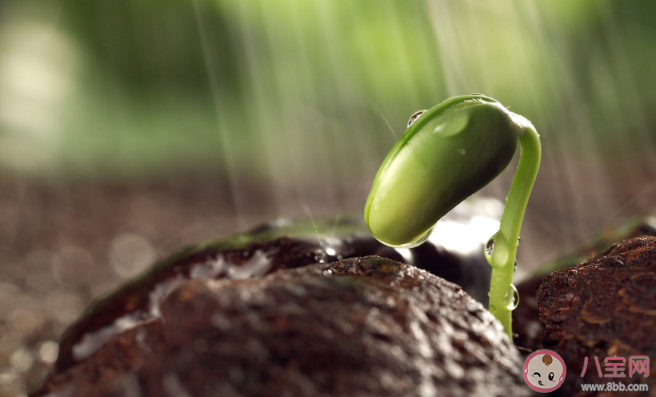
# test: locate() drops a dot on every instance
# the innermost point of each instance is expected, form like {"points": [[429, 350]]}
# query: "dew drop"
{"points": [[511, 299], [489, 247], [415, 116], [515, 268], [519, 240], [462, 151]]}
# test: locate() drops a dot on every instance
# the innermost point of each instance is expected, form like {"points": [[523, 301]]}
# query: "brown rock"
{"points": [[601, 308], [526, 324], [266, 249], [360, 327]]}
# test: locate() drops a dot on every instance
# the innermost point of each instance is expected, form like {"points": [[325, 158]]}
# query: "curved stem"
{"points": [[506, 239]]}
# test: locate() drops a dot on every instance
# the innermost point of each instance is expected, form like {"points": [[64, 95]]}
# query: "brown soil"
{"points": [[63, 244]]}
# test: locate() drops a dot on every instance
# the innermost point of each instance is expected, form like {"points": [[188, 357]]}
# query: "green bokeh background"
{"points": [[99, 89], [303, 99]]}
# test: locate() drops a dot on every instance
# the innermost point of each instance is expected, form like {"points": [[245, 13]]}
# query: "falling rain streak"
{"points": [[303, 96], [320, 107]]}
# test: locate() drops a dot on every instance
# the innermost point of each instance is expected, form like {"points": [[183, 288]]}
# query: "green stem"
{"points": [[506, 239]]}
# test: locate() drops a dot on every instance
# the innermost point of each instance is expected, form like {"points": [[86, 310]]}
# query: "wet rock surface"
{"points": [[526, 323], [604, 307], [266, 249], [364, 326]]}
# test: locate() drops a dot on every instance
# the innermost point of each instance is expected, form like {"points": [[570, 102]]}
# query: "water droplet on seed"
{"points": [[415, 243], [511, 299], [415, 116], [462, 151], [489, 247]]}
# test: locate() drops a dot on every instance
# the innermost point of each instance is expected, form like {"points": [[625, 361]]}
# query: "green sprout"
{"points": [[448, 153]]}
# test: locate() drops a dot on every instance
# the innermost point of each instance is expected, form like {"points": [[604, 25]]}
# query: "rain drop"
{"points": [[489, 247], [515, 268], [415, 116], [462, 151], [519, 240], [511, 299]]}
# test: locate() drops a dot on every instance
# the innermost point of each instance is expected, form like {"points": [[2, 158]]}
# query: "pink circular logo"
{"points": [[544, 371]]}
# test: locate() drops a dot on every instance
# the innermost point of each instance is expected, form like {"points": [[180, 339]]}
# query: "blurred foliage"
{"points": [[301, 90]]}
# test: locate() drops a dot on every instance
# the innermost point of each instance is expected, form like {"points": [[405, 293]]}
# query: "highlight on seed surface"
{"points": [[446, 154]]}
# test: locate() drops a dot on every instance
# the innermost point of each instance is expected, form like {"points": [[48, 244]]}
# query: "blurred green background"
{"points": [[132, 127], [306, 97]]}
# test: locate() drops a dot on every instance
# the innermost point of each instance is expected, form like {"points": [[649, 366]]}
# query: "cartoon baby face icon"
{"points": [[544, 371]]}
